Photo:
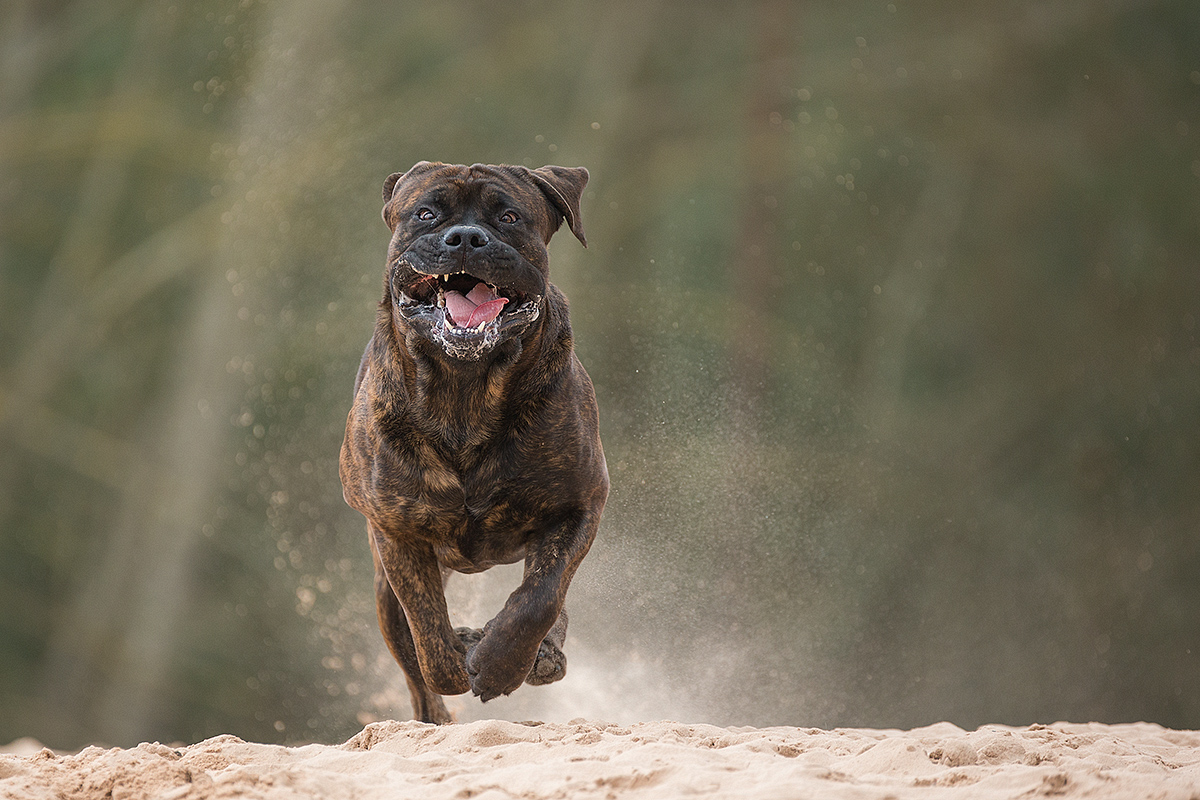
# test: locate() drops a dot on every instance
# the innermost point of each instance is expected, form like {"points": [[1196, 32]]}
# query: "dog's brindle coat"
{"points": [[474, 445]]}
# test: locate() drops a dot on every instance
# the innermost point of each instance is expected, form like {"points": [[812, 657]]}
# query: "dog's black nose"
{"points": [[465, 237]]}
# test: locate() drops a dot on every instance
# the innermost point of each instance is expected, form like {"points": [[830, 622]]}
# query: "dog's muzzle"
{"points": [[465, 314]]}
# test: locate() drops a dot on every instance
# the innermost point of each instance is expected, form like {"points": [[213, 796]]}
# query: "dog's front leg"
{"points": [[502, 659], [415, 577]]}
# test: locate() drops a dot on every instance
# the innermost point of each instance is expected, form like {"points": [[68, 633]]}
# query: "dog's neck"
{"points": [[458, 406]]}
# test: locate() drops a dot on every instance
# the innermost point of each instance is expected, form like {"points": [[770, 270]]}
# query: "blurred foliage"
{"points": [[891, 310]]}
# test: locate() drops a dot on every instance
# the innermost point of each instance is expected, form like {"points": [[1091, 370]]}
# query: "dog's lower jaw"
{"points": [[432, 324], [472, 346]]}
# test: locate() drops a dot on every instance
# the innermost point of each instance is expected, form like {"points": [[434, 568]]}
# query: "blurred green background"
{"points": [[891, 309]]}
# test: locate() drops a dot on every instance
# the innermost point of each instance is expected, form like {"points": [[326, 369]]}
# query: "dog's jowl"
{"points": [[474, 439]]}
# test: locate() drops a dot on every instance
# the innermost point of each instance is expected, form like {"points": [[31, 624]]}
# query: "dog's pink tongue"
{"points": [[481, 304], [460, 308], [486, 312]]}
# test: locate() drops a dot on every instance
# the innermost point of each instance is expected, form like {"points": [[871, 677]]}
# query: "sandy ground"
{"points": [[580, 759]]}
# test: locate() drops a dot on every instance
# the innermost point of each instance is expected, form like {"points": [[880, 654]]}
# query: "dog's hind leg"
{"points": [[551, 663], [426, 705]]}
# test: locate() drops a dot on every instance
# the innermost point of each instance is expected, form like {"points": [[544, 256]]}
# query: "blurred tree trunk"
{"points": [[39, 362], [129, 616], [757, 259], [107, 658], [108, 662], [903, 298]]}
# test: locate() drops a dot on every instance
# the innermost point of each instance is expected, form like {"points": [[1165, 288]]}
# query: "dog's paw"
{"points": [[469, 637], [550, 665], [495, 667]]}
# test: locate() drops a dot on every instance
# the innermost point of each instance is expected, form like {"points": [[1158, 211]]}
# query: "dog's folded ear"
{"points": [[564, 188], [389, 186]]}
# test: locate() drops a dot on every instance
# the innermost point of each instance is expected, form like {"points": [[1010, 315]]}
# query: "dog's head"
{"points": [[467, 264]]}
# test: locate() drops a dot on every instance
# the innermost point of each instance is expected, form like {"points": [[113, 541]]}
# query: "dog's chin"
{"points": [[423, 306]]}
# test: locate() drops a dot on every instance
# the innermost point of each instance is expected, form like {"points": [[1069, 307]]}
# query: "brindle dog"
{"points": [[474, 437]]}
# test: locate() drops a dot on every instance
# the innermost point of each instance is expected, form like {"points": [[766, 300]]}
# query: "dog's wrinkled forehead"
{"points": [[456, 188], [480, 187]]}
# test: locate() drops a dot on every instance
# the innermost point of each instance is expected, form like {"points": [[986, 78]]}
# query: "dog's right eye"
{"points": [[426, 214]]}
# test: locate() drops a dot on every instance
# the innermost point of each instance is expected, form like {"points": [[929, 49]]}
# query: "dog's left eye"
{"points": [[509, 218]]}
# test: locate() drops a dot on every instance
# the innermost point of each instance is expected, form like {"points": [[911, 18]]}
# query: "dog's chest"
{"points": [[475, 519]]}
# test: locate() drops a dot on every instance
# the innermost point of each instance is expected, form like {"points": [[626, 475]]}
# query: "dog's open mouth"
{"points": [[466, 314], [474, 309]]}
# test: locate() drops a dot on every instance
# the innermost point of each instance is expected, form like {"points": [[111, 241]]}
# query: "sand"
{"points": [[491, 759]]}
